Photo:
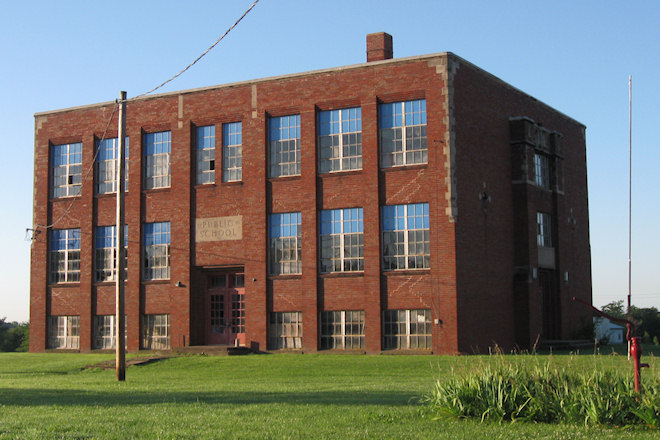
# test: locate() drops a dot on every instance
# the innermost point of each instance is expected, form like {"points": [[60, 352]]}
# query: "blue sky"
{"points": [[573, 55]]}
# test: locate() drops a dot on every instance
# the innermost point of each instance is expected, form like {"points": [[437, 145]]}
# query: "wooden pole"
{"points": [[120, 326]]}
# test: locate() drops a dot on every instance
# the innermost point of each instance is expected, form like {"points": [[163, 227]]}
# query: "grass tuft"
{"points": [[508, 390]]}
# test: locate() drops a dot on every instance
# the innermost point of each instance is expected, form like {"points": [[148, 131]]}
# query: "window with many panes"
{"points": [[342, 245], [105, 253], [285, 247], [340, 140], [404, 329], [157, 149], [205, 154], [285, 330], [64, 332], [406, 242], [402, 131], [156, 245], [543, 229], [542, 170], [106, 166], [105, 331], [232, 152], [342, 329], [64, 255], [155, 332], [284, 145], [66, 170]]}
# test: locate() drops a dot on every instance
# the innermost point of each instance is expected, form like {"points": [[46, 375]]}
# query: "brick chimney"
{"points": [[379, 46]]}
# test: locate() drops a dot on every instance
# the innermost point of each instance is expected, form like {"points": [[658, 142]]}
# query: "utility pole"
{"points": [[120, 325], [629, 311]]}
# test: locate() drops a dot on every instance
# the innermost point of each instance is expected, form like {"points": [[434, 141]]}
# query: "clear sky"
{"points": [[575, 56]]}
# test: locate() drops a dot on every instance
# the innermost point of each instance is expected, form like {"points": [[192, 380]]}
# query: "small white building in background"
{"points": [[607, 330]]}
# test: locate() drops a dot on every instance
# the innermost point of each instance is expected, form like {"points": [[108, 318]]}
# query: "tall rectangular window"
{"points": [[340, 140], [285, 330], [285, 248], [406, 243], [64, 255], [64, 332], [542, 170], [403, 133], [157, 149], [284, 144], [156, 245], [407, 329], [66, 170], [105, 257], [342, 329], [232, 152], [205, 154], [342, 246], [106, 166], [155, 332], [543, 229]]}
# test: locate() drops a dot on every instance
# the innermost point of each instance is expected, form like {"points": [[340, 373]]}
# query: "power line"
{"points": [[202, 55]]}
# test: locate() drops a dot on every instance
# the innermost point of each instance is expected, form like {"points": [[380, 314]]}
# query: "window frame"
{"points": [[277, 264], [285, 330], [399, 224], [106, 165], [397, 133], [157, 149], [335, 335], [284, 131], [66, 165], [155, 331], [333, 226], [67, 256], [105, 258], [339, 130], [395, 339], [205, 152], [544, 230], [64, 332], [542, 170], [232, 151], [156, 246]]}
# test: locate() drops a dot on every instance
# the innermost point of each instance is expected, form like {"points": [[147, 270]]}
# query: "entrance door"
{"points": [[225, 305], [550, 306]]}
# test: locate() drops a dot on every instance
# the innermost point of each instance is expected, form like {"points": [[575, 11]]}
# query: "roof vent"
{"points": [[379, 47]]}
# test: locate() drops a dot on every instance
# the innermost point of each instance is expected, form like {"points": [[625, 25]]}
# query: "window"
{"points": [[285, 244], [66, 162], [64, 255], [407, 329], [156, 332], [105, 258], [157, 148], [284, 142], [205, 154], [342, 247], [340, 140], [403, 133], [406, 237], [156, 251], [543, 229], [106, 166], [64, 332], [342, 330], [104, 331], [232, 152], [285, 330], [542, 170]]}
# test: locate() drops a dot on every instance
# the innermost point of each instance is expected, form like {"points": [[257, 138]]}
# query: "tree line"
{"points": [[14, 336], [646, 319]]}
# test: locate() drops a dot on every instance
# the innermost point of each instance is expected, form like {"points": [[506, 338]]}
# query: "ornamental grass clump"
{"points": [[527, 390]]}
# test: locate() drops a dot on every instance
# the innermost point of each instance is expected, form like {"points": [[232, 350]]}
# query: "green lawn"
{"points": [[51, 396]]}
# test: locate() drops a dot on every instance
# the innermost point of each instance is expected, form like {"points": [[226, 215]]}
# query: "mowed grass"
{"points": [[51, 396]]}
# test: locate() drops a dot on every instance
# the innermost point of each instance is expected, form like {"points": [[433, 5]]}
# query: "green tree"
{"points": [[13, 336]]}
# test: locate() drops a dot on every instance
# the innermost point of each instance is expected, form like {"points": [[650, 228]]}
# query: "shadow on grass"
{"points": [[47, 397]]}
